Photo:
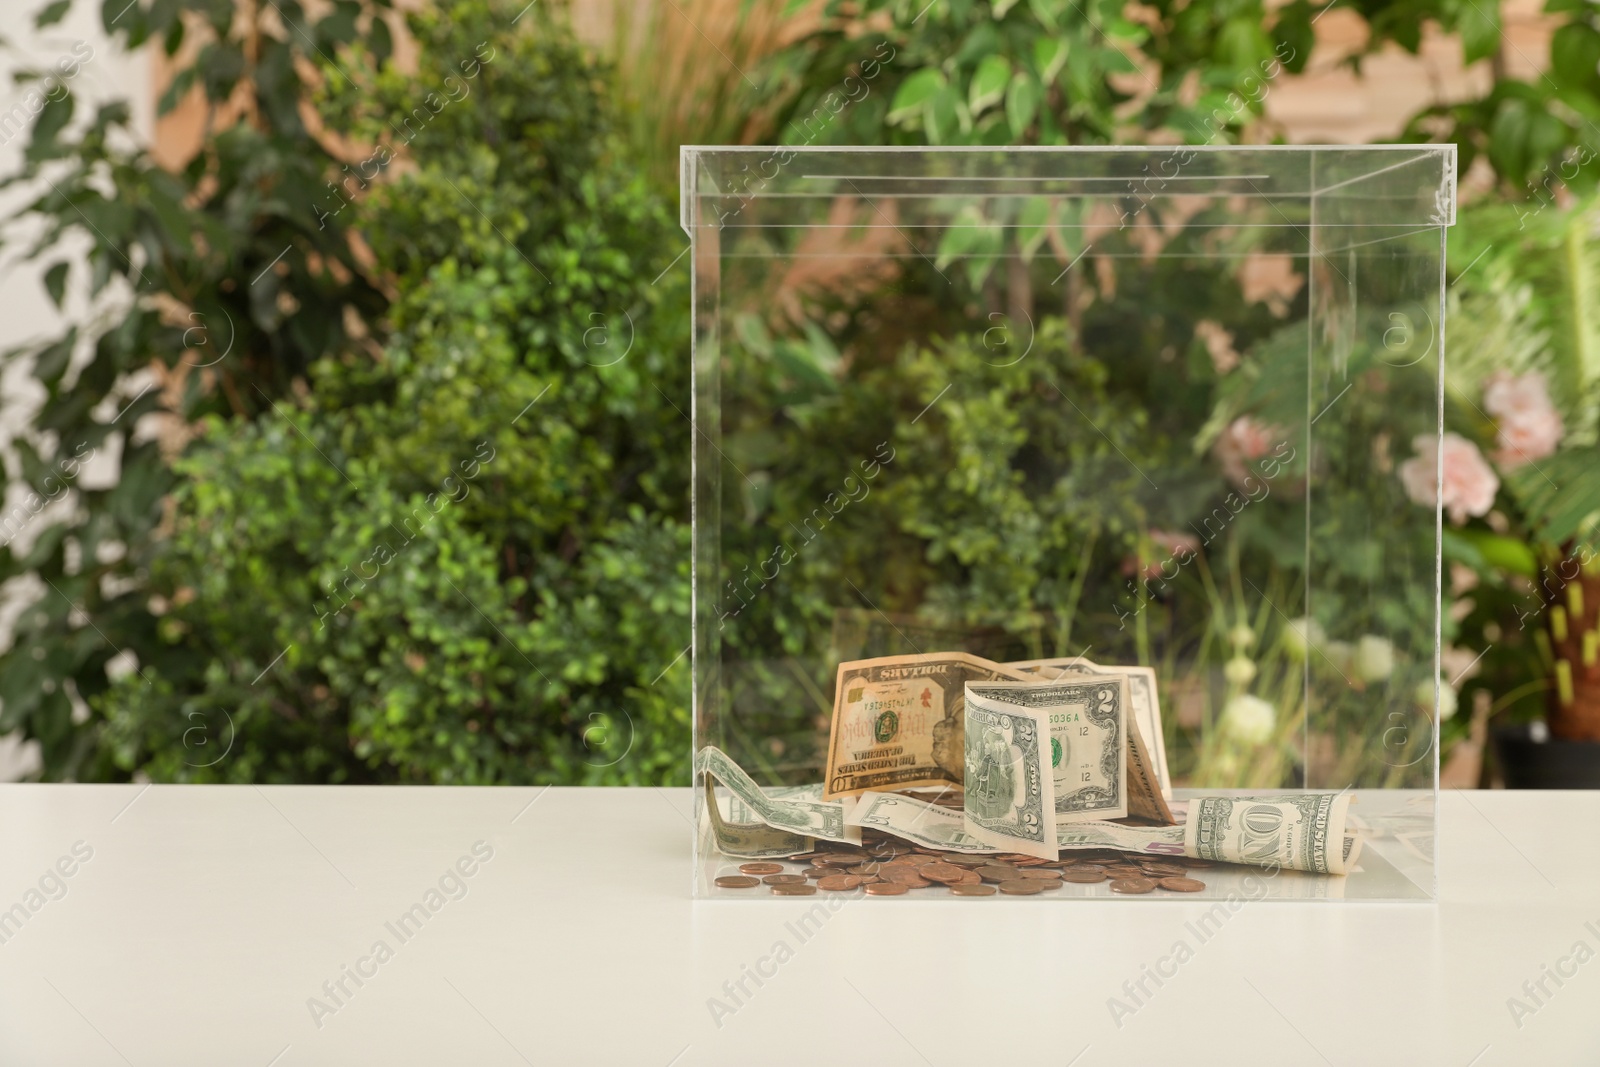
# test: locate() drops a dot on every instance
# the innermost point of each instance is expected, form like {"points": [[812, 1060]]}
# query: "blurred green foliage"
{"points": [[465, 560], [431, 521]]}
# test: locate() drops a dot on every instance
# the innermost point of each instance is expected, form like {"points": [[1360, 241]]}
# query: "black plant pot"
{"points": [[1548, 764]]}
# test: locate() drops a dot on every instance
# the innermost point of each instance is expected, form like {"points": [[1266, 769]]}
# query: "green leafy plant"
{"points": [[1526, 314], [226, 254], [464, 560]]}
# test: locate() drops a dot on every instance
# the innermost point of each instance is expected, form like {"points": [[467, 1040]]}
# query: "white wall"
{"points": [[25, 310]]}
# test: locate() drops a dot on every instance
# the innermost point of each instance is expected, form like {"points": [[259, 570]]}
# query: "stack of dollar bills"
{"points": [[1050, 755]]}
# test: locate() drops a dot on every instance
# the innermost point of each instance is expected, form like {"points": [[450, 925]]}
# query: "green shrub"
{"points": [[464, 560]]}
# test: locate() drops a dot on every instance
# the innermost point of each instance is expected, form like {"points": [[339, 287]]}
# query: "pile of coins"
{"points": [[886, 867]]}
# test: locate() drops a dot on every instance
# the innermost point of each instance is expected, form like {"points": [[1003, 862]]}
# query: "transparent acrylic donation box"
{"points": [[1170, 414]]}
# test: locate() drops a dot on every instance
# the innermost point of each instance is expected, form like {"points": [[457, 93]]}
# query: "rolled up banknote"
{"points": [[1009, 798], [747, 840], [897, 721], [1088, 726], [1300, 831], [796, 815], [1305, 832]]}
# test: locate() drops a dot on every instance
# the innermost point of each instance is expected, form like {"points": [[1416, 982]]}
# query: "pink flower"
{"points": [[1469, 483], [1178, 549], [1245, 440], [1219, 345], [1529, 426]]}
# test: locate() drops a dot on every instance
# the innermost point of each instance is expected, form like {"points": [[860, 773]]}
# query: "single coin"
{"points": [[910, 881], [1182, 885], [997, 873], [972, 889], [839, 883], [834, 859], [804, 857], [761, 868], [1083, 877], [1041, 875], [818, 872], [789, 889], [1084, 867], [887, 889], [1022, 887], [784, 879], [941, 872], [737, 881], [1132, 885]]}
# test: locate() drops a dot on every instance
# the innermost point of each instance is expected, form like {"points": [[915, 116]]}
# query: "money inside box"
{"points": [[1057, 521]]}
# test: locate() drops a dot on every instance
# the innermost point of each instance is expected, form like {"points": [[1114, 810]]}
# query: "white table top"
{"points": [[204, 919]]}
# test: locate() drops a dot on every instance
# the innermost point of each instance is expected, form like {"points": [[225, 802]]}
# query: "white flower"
{"points": [[1374, 657], [1301, 635], [1248, 719], [1448, 700], [1341, 654], [1240, 671]]}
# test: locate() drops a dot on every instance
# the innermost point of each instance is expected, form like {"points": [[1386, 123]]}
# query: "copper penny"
{"points": [[908, 878], [1022, 887], [1041, 875], [838, 883], [1083, 877], [1132, 885], [737, 881], [941, 872], [784, 879], [887, 889], [761, 868], [1182, 885], [789, 889], [997, 873], [818, 872], [972, 889]]}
